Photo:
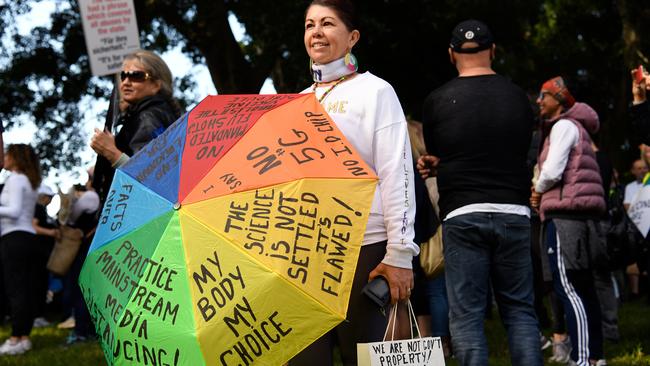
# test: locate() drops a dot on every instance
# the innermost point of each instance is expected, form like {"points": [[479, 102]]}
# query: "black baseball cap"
{"points": [[471, 31]]}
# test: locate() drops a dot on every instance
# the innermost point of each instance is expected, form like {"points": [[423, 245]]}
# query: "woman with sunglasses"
{"points": [[366, 109], [146, 95]]}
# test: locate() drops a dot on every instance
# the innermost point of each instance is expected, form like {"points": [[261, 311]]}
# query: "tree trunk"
{"points": [[210, 33]]}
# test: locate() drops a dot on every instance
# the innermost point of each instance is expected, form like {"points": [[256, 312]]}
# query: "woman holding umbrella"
{"points": [[370, 116], [147, 108]]}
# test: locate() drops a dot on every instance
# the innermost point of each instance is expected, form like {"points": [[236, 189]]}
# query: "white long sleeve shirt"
{"points": [[564, 136], [17, 205], [367, 111]]}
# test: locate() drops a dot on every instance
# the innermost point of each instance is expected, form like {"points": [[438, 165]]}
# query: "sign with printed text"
{"points": [[111, 32], [412, 352], [639, 211]]}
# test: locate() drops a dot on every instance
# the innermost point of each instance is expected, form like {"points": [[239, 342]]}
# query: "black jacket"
{"points": [[141, 123]]}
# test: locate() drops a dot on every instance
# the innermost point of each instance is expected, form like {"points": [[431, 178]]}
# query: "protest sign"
{"points": [[409, 352], [111, 32], [639, 211], [416, 351]]}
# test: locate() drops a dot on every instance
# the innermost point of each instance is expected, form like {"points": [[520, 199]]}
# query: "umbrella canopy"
{"points": [[231, 239]]}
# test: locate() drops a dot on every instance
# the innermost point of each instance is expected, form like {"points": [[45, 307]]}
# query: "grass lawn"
{"points": [[48, 350], [632, 350]]}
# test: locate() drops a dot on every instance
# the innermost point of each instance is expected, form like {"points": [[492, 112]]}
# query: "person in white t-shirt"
{"points": [[366, 109], [17, 204], [638, 170]]}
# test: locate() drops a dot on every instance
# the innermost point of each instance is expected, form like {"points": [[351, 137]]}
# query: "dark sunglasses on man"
{"points": [[136, 76]]}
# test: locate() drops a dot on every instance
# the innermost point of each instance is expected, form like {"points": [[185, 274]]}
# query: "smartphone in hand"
{"points": [[378, 291], [639, 74]]}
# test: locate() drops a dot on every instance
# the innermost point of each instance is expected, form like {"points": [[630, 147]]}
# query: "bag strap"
{"points": [[392, 319], [392, 315], [414, 320]]}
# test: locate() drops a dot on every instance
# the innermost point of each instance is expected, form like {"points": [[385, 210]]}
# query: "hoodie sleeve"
{"points": [[563, 137], [14, 187], [394, 166]]}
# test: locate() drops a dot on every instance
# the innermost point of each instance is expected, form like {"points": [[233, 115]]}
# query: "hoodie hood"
{"points": [[580, 112]]}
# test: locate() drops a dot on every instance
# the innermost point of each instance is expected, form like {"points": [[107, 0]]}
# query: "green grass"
{"points": [[48, 350], [632, 350]]}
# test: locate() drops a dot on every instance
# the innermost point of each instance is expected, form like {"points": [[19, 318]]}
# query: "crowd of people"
{"points": [[29, 233], [526, 204], [478, 129]]}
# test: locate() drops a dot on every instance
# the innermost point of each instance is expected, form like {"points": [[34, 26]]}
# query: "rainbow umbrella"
{"points": [[231, 239]]}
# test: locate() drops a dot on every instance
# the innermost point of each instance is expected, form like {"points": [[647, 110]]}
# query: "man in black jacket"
{"points": [[478, 126]]}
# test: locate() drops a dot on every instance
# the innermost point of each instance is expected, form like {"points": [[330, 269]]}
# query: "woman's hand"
{"points": [[103, 142], [535, 198], [400, 280]]}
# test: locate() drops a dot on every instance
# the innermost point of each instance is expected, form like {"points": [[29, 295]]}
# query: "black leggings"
{"points": [[20, 279]]}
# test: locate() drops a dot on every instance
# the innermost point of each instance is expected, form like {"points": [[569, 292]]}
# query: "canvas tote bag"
{"points": [[65, 250], [417, 351]]}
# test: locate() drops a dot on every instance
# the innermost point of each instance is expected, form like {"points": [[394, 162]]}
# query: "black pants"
{"points": [[20, 272], [83, 325], [41, 255]]}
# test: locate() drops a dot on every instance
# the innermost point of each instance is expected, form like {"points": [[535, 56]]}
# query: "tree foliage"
{"points": [[592, 43]]}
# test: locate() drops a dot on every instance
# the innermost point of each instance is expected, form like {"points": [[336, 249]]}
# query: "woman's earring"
{"points": [[351, 62], [317, 75]]}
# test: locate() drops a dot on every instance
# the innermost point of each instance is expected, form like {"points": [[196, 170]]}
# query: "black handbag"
{"points": [[621, 231]]}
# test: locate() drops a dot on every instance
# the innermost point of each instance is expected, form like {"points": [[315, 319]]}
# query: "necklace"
{"points": [[322, 97]]}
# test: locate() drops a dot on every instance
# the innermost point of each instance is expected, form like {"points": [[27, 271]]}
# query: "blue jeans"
{"points": [[436, 294], [480, 247]]}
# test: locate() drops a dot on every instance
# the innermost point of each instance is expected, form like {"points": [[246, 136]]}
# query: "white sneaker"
{"points": [[11, 348], [27, 344], [41, 322], [67, 324], [561, 351]]}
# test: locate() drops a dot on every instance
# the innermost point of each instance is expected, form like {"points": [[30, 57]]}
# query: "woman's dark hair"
{"points": [[26, 161], [344, 9]]}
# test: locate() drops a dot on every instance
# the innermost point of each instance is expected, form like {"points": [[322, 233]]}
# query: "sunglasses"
{"points": [[542, 94], [137, 76]]}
